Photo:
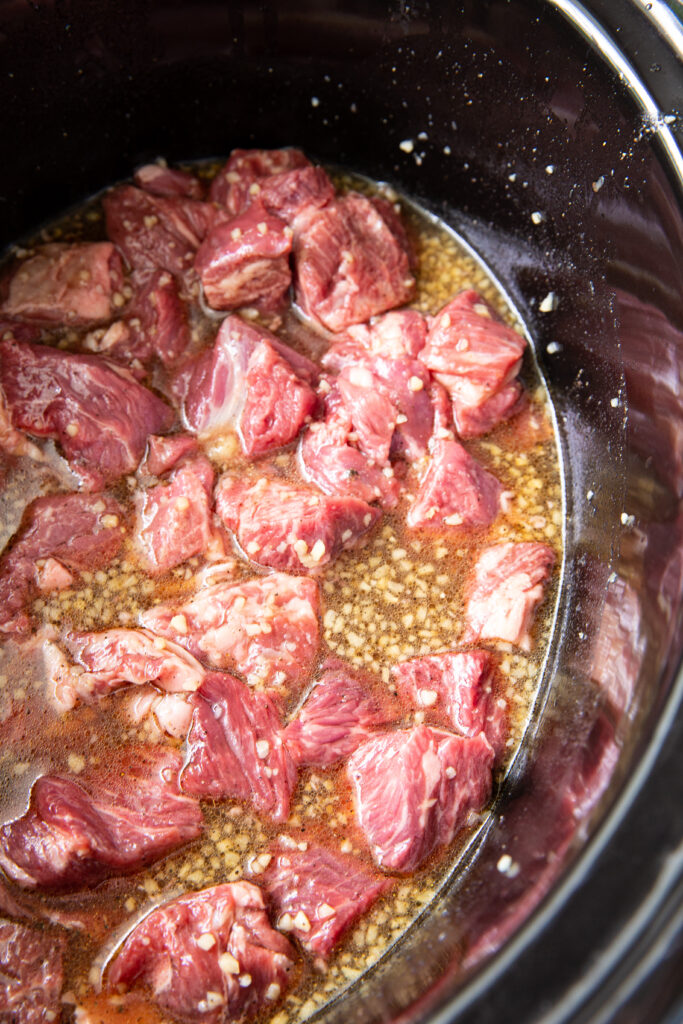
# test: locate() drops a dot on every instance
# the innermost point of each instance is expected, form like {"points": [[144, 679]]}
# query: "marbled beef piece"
{"points": [[163, 181], [239, 181], [340, 712], [157, 232], [74, 285], [455, 689], [173, 521], [245, 261], [506, 587], [156, 324], [97, 411], [250, 382], [80, 531], [455, 492], [111, 821], [329, 459], [265, 629], [349, 264], [208, 957], [289, 526], [31, 975], [413, 790], [235, 748], [472, 417], [295, 195], [164, 453], [317, 894], [403, 332], [103, 662], [475, 356], [373, 414]]}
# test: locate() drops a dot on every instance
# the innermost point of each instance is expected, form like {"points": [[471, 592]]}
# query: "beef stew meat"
{"points": [[279, 570]]}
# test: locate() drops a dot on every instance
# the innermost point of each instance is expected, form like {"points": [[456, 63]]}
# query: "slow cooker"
{"points": [[547, 134]]}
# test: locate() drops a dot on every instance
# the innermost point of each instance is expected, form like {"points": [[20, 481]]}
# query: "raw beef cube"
{"points": [[208, 957], [339, 714], [406, 383], [287, 526], [80, 531], [294, 195], [238, 182], [31, 975], [164, 453], [156, 232], [155, 325], [265, 629], [246, 260], [173, 520], [349, 264], [332, 463], [249, 382], [318, 894], [457, 688], [413, 790], [472, 419], [76, 285], [475, 356], [163, 181], [456, 491], [373, 414], [106, 661], [117, 820], [507, 587], [402, 332], [96, 410], [235, 748], [157, 320]]}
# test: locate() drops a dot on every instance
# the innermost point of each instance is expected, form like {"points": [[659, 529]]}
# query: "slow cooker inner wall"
{"points": [[510, 115]]}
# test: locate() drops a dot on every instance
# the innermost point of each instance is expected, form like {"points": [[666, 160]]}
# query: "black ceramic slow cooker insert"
{"points": [[547, 135]]}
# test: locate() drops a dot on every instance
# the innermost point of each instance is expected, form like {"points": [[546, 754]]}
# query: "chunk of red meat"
{"points": [[235, 748], [173, 520], [96, 410], [373, 414], [475, 356], [318, 894], [66, 284], [456, 491], [402, 332], [31, 975], [507, 586], [155, 325], [156, 232], [163, 181], [333, 464], [414, 788], [246, 260], [157, 320], [287, 526], [163, 453], [117, 820], [232, 186], [111, 659], [294, 195], [82, 531], [245, 970], [349, 265], [249, 382], [265, 629], [340, 712], [406, 384], [456, 688], [472, 418]]}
